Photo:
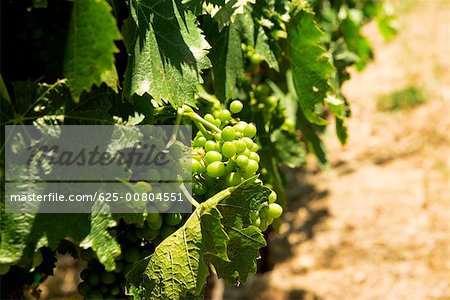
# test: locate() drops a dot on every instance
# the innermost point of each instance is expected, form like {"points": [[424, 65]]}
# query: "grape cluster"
{"points": [[136, 242], [226, 158]]}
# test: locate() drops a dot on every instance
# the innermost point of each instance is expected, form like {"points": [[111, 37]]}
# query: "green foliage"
{"points": [[214, 234], [176, 62], [310, 67], [167, 54], [403, 99], [90, 47]]}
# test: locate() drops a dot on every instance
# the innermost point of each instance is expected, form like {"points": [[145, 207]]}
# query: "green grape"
{"points": [[199, 141], [108, 277], [215, 169], [230, 166], [248, 142], [240, 146], [274, 211], [251, 168], [84, 288], [115, 290], [233, 179], [250, 130], [254, 156], [153, 218], [213, 156], [94, 279], [240, 127], [272, 197], [255, 147], [217, 122], [242, 161], [176, 151], [132, 254], [210, 146], [199, 188], [228, 134], [236, 106], [162, 206], [224, 115], [154, 222], [173, 219], [210, 118], [263, 224], [228, 149], [165, 173], [152, 234], [197, 167], [153, 175], [94, 294], [247, 152]]}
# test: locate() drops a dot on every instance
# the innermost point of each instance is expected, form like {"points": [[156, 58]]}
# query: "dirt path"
{"points": [[377, 225]]}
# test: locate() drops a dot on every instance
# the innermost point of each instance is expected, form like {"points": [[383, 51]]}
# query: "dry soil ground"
{"points": [[377, 224]]}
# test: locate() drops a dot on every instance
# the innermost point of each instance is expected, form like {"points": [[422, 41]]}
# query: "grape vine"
{"points": [[260, 81]]}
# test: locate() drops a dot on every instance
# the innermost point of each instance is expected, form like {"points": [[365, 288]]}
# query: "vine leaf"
{"points": [[226, 58], [102, 242], [89, 57], [167, 53], [311, 69], [217, 233], [287, 148]]}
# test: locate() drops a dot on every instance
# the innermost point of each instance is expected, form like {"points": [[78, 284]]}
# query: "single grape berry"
{"points": [[199, 188], [250, 130], [94, 279], [248, 142], [236, 106], [224, 115], [240, 146], [242, 161], [209, 118], [108, 277], [251, 167], [173, 219], [210, 146], [215, 169], [199, 141], [228, 149], [274, 211], [272, 197], [233, 179], [254, 156], [212, 156], [84, 288], [228, 134]]}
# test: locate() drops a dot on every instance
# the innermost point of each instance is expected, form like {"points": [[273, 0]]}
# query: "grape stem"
{"points": [[189, 196], [196, 118], [173, 137]]}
